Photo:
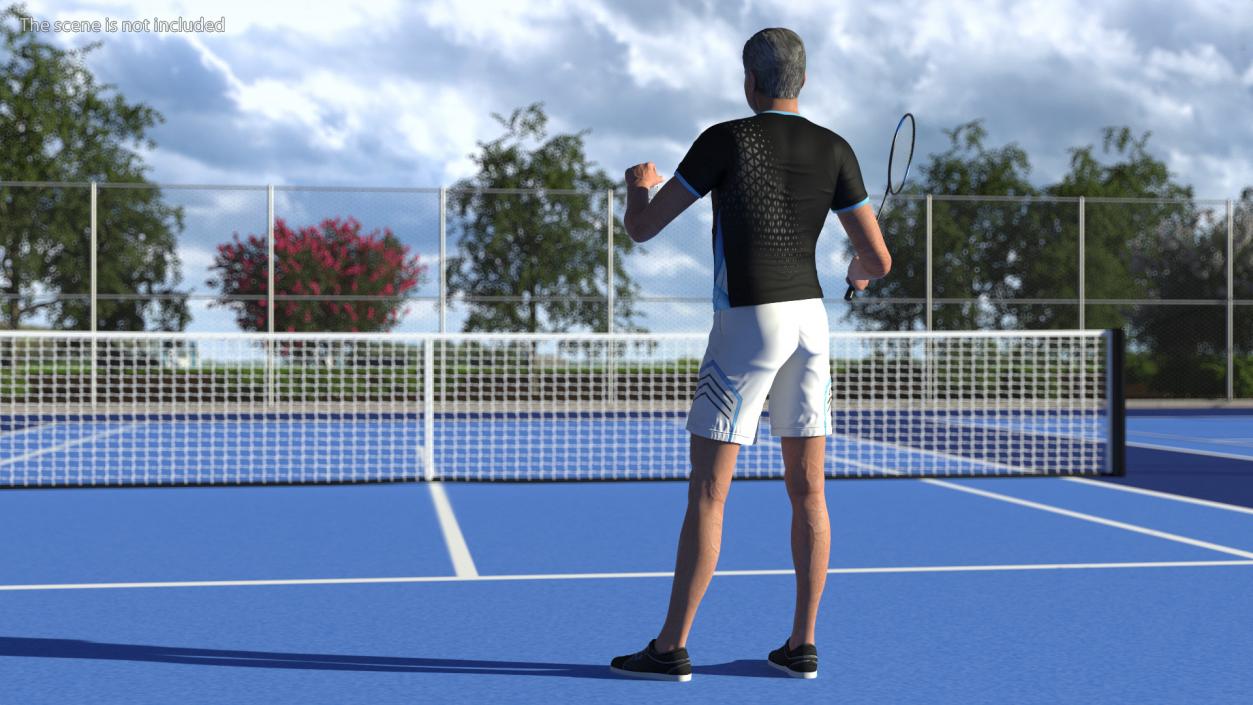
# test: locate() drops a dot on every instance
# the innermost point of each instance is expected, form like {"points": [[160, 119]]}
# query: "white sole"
{"points": [[792, 673], [652, 676]]}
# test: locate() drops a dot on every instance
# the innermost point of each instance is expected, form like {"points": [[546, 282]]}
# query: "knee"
{"points": [[707, 493], [807, 493]]}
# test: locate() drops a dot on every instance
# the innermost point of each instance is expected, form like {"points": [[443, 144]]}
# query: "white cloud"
{"points": [[696, 51], [949, 63], [507, 27], [1202, 65], [708, 52], [1230, 172], [195, 259], [427, 120], [324, 20]]}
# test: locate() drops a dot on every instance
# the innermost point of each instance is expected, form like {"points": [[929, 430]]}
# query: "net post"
{"points": [[443, 259], [1082, 258], [1231, 281], [428, 408], [1115, 398], [95, 241], [929, 258]]}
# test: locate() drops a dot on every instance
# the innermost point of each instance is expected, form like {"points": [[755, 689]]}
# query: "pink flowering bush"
{"points": [[322, 262]]}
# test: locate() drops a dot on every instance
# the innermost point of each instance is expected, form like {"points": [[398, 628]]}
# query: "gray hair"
{"points": [[776, 56]]}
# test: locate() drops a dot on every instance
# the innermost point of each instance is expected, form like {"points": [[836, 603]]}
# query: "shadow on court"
{"points": [[78, 649], [1217, 479]]}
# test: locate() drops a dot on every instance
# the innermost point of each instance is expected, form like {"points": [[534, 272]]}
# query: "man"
{"points": [[773, 177]]}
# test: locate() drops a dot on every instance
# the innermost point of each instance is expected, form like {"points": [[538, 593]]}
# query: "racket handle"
{"points": [[848, 295]]}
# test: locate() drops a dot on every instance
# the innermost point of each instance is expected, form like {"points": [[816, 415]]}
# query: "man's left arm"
{"points": [[644, 218]]}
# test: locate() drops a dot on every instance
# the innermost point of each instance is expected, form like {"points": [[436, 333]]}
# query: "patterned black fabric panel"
{"points": [[774, 178]]}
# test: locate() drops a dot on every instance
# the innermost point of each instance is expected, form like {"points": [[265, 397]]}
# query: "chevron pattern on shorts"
{"points": [[714, 385]]}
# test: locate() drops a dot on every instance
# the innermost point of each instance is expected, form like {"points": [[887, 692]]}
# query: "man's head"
{"points": [[774, 64]]}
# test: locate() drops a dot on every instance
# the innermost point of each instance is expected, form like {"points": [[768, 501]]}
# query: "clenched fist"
{"points": [[642, 175]]}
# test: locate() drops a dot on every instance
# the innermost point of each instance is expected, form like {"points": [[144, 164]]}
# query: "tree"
{"points": [[1012, 251], [536, 261], [1152, 247], [1243, 290], [1145, 239], [972, 242], [1179, 349], [1124, 242], [331, 259], [57, 124]]}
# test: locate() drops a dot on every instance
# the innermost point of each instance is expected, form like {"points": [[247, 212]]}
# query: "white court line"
{"points": [[1086, 481], [33, 428], [1127, 488], [1192, 451], [1161, 495], [985, 426], [621, 576], [462, 562], [1238, 442], [1017, 471], [67, 444], [1073, 514], [1066, 512], [1095, 519]]}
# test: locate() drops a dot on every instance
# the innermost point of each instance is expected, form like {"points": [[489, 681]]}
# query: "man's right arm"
{"points": [[852, 205], [644, 219], [873, 260], [697, 174]]}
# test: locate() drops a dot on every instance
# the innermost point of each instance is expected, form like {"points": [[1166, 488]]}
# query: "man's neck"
{"points": [[783, 105]]}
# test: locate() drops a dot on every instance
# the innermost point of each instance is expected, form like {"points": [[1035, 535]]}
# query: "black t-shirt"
{"points": [[774, 176]]}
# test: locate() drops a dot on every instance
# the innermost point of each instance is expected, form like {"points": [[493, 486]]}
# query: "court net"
{"points": [[144, 409]]}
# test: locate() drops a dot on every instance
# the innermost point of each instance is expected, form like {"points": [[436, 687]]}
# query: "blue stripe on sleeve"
{"points": [[858, 204], [686, 185]]}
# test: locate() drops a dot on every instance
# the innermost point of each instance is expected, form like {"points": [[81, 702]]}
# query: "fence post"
{"points": [[269, 257], [269, 294], [1231, 285], [609, 243], [443, 259], [611, 363], [1082, 259], [929, 263], [92, 313]]}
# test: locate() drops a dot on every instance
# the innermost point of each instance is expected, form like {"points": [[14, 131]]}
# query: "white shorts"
{"points": [[781, 350]]}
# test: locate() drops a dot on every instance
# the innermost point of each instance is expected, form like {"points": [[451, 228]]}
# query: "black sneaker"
{"points": [[801, 663], [649, 663]]}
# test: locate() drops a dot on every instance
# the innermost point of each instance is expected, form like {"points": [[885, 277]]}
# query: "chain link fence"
{"points": [[1176, 275]]}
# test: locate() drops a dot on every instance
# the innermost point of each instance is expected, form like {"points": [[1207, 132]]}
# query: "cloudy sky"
{"points": [[397, 93]]}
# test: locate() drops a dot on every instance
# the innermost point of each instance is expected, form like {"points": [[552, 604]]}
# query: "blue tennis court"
{"points": [[1032, 590]]}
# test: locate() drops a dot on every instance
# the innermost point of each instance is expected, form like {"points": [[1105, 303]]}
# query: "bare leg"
{"points": [[700, 540], [811, 530]]}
